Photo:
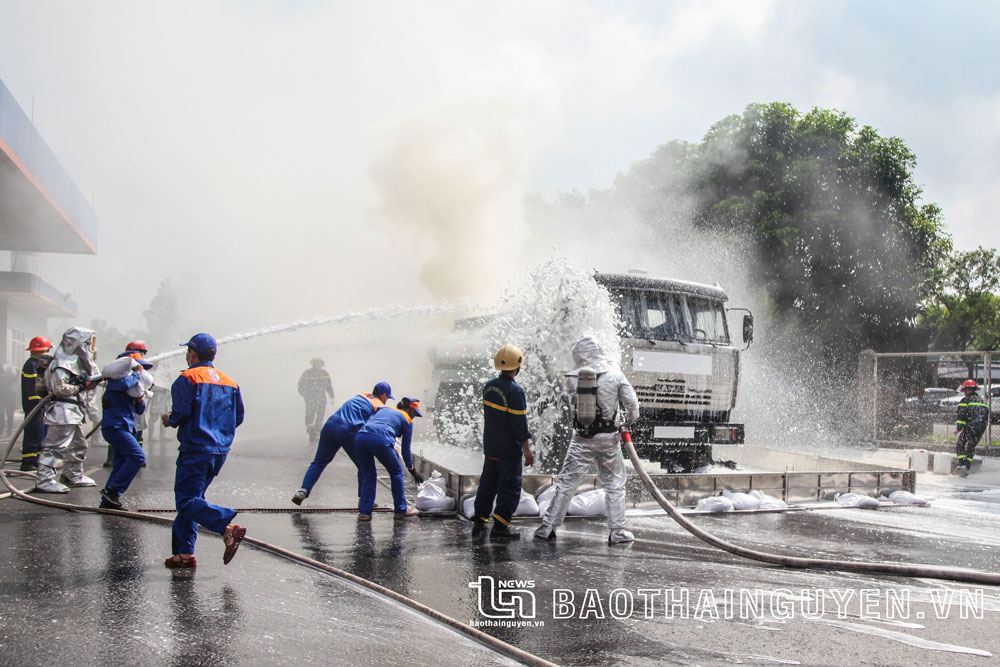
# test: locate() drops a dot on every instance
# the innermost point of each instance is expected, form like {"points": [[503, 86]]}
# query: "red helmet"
{"points": [[969, 384], [39, 344], [137, 346]]}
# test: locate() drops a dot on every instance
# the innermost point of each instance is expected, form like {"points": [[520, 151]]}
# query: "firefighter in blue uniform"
{"points": [[122, 401], [505, 439], [973, 416], [339, 432], [31, 395], [377, 440], [207, 407]]}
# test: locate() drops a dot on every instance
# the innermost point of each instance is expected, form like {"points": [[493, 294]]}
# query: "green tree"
{"points": [[963, 313], [847, 253]]}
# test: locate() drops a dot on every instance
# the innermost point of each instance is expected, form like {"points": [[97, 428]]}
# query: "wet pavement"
{"points": [[90, 589]]}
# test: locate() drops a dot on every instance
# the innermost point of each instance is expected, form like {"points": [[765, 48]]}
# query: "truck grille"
{"points": [[673, 392]]}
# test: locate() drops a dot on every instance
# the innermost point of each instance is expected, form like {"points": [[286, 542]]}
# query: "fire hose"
{"points": [[899, 569], [489, 641]]}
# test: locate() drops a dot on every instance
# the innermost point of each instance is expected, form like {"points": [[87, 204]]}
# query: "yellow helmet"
{"points": [[508, 358]]}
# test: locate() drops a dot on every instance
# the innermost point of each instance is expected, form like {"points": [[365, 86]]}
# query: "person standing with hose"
{"points": [[32, 389], [377, 440], [207, 408], [127, 382], [596, 388], [71, 377], [970, 424], [505, 439], [339, 432]]}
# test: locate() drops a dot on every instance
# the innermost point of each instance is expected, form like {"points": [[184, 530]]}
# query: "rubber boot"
{"points": [[479, 525], [545, 532], [620, 536], [503, 531], [300, 495]]}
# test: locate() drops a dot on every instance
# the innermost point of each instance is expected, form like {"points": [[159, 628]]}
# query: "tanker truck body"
{"points": [[676, 351]]}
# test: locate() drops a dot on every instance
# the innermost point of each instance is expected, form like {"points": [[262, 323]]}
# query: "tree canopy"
{"points": [[847, 253], [963, 313]]}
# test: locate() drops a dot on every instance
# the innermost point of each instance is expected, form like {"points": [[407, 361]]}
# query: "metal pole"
{"points": [[875, 402], [989, 401]]}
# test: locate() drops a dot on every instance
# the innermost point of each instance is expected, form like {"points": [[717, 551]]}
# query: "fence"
{"points": [[910, 399]]}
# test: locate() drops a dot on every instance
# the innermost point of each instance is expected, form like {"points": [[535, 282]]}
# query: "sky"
{"points": [[288, 160]]}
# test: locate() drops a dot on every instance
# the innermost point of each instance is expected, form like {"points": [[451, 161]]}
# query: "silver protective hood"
{"points": [[76, 343], [587, 352]]}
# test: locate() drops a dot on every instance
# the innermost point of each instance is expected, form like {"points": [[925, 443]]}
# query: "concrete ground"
{"points": [[83, 588]]}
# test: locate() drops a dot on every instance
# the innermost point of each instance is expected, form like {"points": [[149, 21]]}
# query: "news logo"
{"points": [[505, 598]]}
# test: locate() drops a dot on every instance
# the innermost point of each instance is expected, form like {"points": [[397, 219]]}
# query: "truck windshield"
{"points": [[665, 316]]}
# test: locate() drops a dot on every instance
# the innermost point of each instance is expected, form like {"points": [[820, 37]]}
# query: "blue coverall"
{"points": [[207, 408], [339, 432], [118, 428], [376, 440], [505, 427]]}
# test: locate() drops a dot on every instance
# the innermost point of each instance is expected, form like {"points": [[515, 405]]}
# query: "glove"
{"points": [[417, 477]]}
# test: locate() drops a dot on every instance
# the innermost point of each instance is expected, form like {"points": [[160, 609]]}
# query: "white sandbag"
{"points": [[742, 501], [907, 498], [544, 499], [714, 504], [588, 503], [769, 502], [855, 500], [432, 496], [526, 506]]}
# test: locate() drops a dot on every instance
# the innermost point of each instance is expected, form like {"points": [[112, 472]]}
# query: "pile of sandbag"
{"points": [[855, 500], [432, 495], [585, 503], [526, 506]]}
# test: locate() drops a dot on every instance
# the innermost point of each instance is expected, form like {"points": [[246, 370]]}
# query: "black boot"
{"points": [[503, 531], [111, 500], [479, 525]]}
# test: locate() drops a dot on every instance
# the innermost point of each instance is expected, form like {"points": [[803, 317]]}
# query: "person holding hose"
{"points": [[505, 439], [376, 440], [339, 432], [314, 387], [970, 424], [32, 388], [207, 408], [127, 382], [596, 388], [70, 377]]}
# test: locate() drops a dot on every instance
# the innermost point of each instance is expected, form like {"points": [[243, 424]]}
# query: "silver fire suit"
{"points": [[66, 413], [604, 449]]}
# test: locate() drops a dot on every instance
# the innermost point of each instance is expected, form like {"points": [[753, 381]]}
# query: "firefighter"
{"points": [[32, 389], [339, 432], [596, 438], [505, 439], [376, 440], [137, 349], [973, 416], [127, 384], [71, 376], [207, 408], [314, 387]]}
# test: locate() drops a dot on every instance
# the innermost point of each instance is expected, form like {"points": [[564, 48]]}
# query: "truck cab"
{"points": [[678, 353]]}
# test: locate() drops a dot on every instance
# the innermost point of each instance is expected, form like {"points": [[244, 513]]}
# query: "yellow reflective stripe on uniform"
{"points": [[500, 519], [34, 398], [959, 422], [29, 375], [981, 405], [27, 456], [503, 409]]}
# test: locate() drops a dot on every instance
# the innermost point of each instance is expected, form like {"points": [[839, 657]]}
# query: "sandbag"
{"points": [[855, 500], [432, 495], [714, 504], [525, 507], [742, 501], [118, 368], [768, 502], [588, 503], [907, 498]]}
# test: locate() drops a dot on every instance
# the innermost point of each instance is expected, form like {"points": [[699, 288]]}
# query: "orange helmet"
{"points": [[39, 344], [969, 384], [137, 346]]}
